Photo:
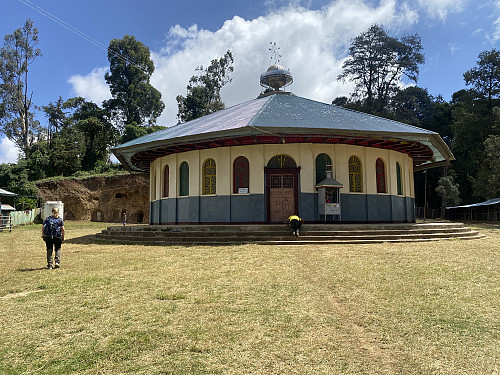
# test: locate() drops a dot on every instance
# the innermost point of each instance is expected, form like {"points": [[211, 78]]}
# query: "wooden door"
{"points": [[281, 196]]}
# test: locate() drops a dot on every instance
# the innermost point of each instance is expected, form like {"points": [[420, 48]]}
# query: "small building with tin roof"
{"points": [[265, 159]]}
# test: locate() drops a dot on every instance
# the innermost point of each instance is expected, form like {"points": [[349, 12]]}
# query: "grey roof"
{"points": [[6, 193], [329, 182], [284, 114], [489, 202]]}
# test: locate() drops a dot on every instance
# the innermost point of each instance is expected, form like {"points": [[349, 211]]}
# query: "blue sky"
{"points": [[313, 37]]}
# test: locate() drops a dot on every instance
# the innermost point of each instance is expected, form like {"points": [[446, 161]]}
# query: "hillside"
{"points": [[101, 198]]}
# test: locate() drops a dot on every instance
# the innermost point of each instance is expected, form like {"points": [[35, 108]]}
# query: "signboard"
{"points": [[243, 191]]}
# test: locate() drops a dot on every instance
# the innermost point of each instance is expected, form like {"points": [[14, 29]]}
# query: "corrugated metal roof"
{"points": [[6, 193], [280, 111], [230, 118], [489, 202], [283, 114], [295, 112]]}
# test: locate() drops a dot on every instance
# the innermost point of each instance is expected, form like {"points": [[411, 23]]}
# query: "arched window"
{"points": [[281, 161], [398, 177], [323, 163], [380, 173], [166, 180], [184, 179], [355, 181], [241, 178], [209, 177]]}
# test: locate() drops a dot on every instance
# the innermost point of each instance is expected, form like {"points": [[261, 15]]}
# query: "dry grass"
{"points": [[430, 308]]}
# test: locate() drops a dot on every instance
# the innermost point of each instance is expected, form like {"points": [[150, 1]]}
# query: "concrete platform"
{"points": [[275, 234]]}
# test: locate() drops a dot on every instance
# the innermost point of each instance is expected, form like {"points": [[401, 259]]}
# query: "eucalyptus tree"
{"points": [[485, 76], [376, 63], [134, 99], [17, 119], [203, 90]]}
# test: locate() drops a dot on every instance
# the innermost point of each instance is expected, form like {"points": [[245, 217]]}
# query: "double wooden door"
{"points": [[282, 195]]}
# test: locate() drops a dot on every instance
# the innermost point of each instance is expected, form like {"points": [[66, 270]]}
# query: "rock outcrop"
{"points": [[101, 198]]}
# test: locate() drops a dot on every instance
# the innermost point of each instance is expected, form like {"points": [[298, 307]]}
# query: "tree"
{"points": [[134, 98], [55, 116], [485, 77], [449, 193], [133, 131], [376, 63], [203, 91], [16, 55], [96, 129]]}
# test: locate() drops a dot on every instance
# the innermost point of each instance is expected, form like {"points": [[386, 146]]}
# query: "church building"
{"points": [[280, 154]]}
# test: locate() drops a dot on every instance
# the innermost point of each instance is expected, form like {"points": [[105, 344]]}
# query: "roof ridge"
{"points": [[259, 112]]}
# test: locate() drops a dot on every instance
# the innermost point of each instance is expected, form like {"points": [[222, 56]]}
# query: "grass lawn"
{"points": [[416, 308]]}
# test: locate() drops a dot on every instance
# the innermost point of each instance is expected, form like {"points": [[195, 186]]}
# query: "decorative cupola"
{"points": [[276, 77]]}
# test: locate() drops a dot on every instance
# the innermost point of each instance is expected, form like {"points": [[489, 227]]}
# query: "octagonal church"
{"points": [[280, 154]]}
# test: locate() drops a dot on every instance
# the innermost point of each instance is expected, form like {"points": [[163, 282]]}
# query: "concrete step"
{"points": [[280, 235]]}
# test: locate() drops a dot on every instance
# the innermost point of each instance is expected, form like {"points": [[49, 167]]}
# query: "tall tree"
{"points": [[55, 117], [16, 55], [376, 63], [485, 77], [134, 100], [203, 91], [96, 129]]}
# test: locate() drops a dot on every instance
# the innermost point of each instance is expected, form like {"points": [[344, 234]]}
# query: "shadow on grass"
{"points": [[31, 269], [89, 239]]}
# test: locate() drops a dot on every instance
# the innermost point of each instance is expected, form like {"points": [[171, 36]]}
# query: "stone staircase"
{"points": [[276, 234]]}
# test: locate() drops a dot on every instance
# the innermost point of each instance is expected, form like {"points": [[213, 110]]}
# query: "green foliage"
{"points": [[203, 91], [134, 100], [26, 203], [133, 131], [17, 120], [376, 63], [449, 193], [18, 178], [485, 77]]}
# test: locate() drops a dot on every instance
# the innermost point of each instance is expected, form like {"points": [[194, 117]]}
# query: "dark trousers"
{"points": [[295, 225], [53, 244]]}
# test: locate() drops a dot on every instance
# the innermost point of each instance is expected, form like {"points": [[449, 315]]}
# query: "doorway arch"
{"points": [[282, 192]]}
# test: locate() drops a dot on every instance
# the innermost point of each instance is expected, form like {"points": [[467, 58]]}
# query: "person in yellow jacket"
{"points": [[295, 222]]}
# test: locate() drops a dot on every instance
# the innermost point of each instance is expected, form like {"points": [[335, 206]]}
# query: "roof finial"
{"points": [[276, 76], [275, 53]]}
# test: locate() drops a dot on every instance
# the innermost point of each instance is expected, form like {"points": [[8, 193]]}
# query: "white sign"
{"points": [[242, 190]]}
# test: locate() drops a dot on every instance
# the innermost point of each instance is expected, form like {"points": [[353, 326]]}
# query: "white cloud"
{"points": [[92, 86], [495, 34], [441, 8], [8, 151], [453, 47], [313, 45]]}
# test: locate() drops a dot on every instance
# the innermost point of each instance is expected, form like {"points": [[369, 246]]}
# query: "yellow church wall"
{"points": [[304, 155]]}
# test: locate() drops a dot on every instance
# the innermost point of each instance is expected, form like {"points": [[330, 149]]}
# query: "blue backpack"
{"points": [[52, 227]]}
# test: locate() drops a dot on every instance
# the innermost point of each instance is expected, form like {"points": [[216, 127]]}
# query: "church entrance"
{"points": [[281, 188]]}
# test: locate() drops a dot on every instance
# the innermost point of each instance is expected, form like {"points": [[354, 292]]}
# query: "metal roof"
{"points": [[489, 202], [274, 117], [6, 193]]}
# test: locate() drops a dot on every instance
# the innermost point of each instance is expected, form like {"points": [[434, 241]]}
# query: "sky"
{"points": [[313, 37]]}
